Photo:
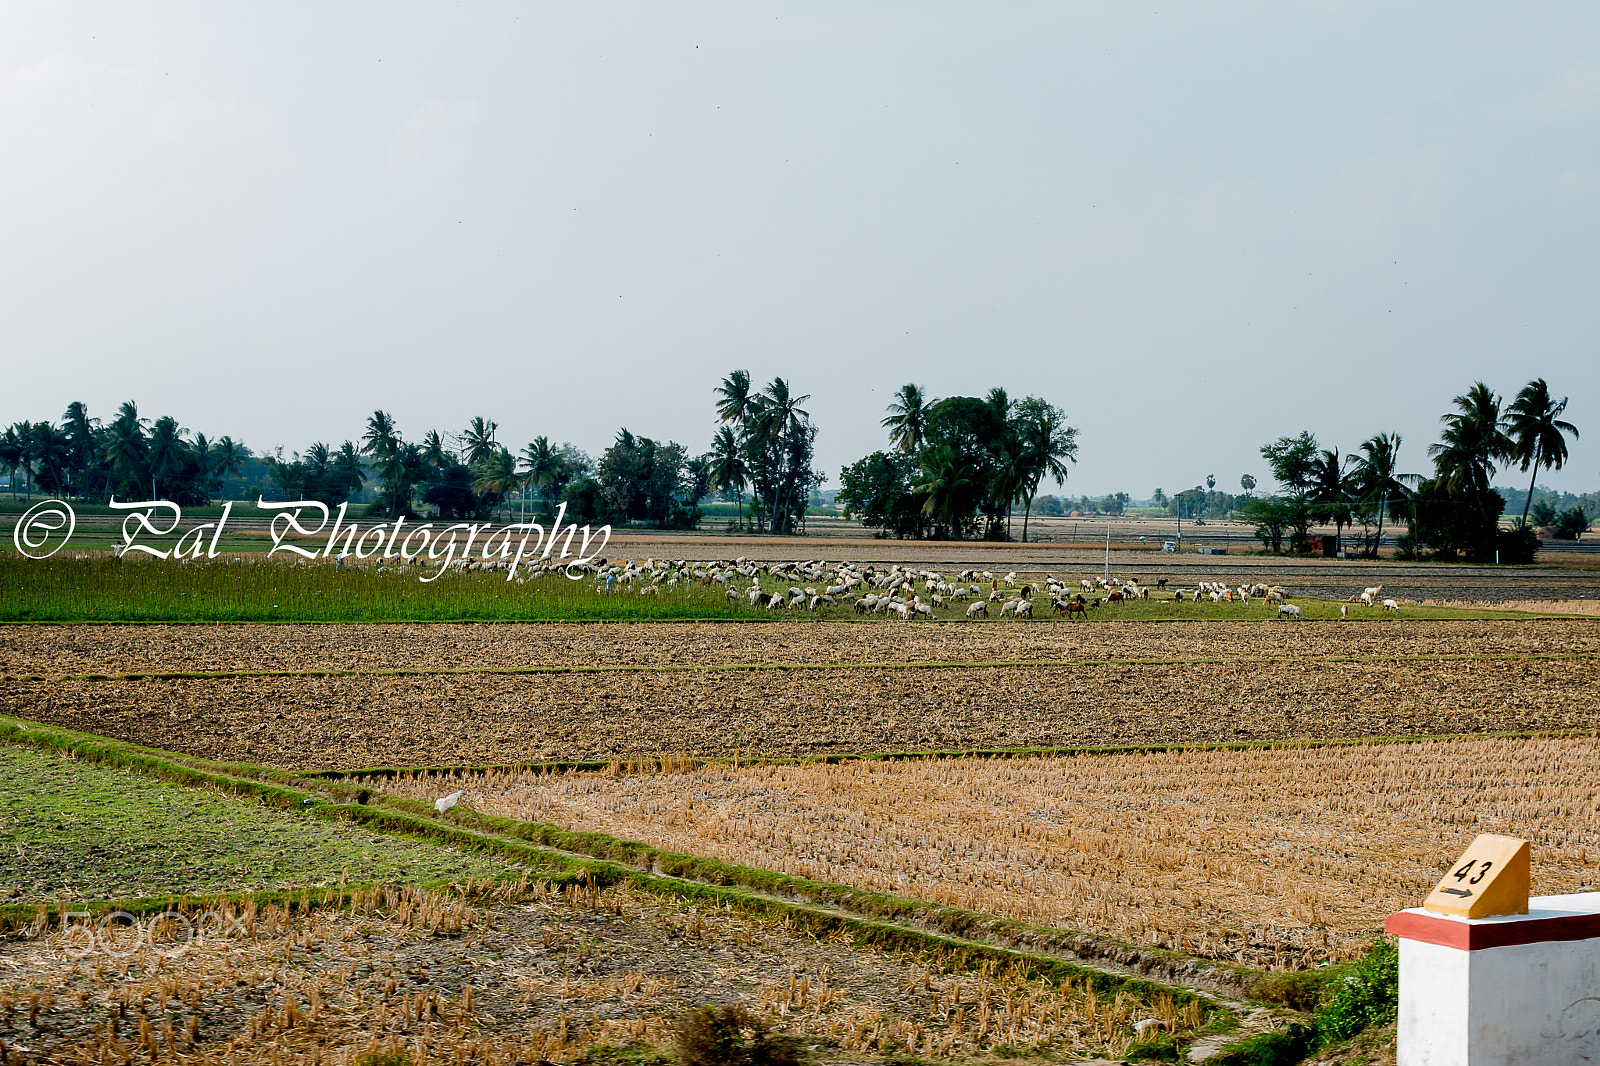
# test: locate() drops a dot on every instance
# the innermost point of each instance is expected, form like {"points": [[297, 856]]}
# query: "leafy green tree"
{"points": [[1572, 523], [1248, 483], [970, 435], [1544, 513], [1159, 498], [1535, 427], [879, 492], [907, 421], [1293, 461], [646, 482], [1272, 517]]}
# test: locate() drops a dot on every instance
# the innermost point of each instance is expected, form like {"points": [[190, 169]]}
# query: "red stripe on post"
{"points": [[1480, 934]]}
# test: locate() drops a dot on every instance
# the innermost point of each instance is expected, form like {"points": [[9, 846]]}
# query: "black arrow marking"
{"points": [[1462, 892]]}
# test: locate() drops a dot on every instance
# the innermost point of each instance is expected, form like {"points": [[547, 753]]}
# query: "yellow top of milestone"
{"points": [[1491, 878]]}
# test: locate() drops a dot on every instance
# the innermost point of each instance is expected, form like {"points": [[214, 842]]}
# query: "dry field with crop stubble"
{"points": [[349, 722], [544, 976], [1274, 858], [58, 651]]}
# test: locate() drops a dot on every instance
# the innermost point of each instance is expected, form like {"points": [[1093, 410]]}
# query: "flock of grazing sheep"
{"points": [[910, 593], [906, 592]]}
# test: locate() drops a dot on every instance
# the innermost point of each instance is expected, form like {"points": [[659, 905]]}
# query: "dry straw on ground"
{"points": [[543, 977], [1278, 857]]}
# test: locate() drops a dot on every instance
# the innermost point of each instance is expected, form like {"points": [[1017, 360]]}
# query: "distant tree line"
{"points": [[1455, 513], [957, 466]]}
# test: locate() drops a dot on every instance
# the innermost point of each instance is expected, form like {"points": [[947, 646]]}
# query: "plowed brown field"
{"points": [[56, 651], [318, 722]]}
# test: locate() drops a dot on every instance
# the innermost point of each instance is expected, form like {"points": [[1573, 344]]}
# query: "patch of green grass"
{"points": [[83, 831], [152, 590]]}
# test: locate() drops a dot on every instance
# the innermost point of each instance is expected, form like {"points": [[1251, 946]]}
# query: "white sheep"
{"points": [[1391, 605], [1289, 610], [979, 608]]}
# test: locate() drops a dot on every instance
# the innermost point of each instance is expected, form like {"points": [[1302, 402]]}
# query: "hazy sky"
{"points": [[1194, 227]]}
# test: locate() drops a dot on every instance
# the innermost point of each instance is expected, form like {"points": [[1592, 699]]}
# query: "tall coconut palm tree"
{"points": [[167, 452], [79, 429], [434, 454], [1048, 444], [948, 486], [1377, 476], [228, 457], [478, 443], [539, 465], [907, 421], [12, 452], [1330, 491], [735, 402], [1472, 442], [1534, 424], [47, 451], [125, 454], [728, 472], [382, 441], [497, 475], [347, 465]]}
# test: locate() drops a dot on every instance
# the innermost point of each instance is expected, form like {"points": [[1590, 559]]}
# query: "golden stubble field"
{"points": [[1279, 857]]}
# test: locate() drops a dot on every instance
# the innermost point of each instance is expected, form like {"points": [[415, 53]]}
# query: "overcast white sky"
{"points": [[1194, 227]]}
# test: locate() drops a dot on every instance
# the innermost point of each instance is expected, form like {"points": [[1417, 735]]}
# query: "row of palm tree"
{"points": [[764, 442], [83, 458], [1479, 435]]}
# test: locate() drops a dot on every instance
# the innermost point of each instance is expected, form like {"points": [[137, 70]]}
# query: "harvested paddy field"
{"points": [[431, 979], [66, 651], [1271, 857], [348, 722]]}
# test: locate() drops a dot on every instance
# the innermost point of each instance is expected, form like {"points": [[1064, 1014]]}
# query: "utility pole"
{"points": [[1108, 551]]}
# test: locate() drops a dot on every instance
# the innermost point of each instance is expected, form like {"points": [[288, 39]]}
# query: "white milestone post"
{"points": [[1490, 976]]}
